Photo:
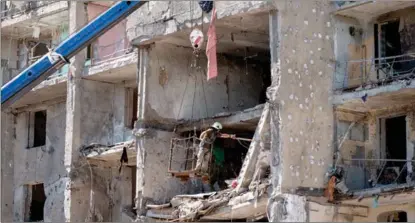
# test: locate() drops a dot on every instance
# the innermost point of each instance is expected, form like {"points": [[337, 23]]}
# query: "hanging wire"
{"points": [[245, 146], [194, 95], [184, 92]]}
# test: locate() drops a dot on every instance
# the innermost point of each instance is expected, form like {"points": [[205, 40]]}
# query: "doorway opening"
{"points": [[36, 199], [394, 150]]}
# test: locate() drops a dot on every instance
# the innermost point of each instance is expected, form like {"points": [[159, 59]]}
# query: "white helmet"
{"points": [[217, 126]]}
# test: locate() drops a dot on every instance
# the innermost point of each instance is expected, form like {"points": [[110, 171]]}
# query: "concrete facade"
{"points": [[297, 78]]}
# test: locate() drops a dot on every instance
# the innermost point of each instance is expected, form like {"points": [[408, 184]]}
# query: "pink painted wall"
{"points": [[112, 42]]}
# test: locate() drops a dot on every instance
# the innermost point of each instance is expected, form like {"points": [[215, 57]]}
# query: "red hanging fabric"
{"points": [[211, 48]]}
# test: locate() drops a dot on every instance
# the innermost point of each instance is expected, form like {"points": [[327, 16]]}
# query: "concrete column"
{"points": [[76, 195], [140, 131], [7, 166], [301, 45], [409, 144]]}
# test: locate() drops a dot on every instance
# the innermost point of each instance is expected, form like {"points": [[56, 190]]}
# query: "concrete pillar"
{"points": [[301, 45], [140, 131], [75, 195], [7, 166], [409, 144]]}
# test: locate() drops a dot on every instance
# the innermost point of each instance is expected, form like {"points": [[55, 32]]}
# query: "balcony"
{"points": [[376, 84], [106, 58], [367, 9], [373, 178], [365, 74], [22, 19]]}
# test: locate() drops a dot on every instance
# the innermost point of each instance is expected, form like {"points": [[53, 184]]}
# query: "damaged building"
{"points": [[313, 99]]}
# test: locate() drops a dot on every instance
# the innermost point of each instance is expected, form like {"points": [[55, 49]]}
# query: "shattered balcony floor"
{"points": [[215, 206], [110, 154]]}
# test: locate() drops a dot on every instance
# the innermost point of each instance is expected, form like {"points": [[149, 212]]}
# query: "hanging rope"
{"points": [[194, 95], [204, 94]]}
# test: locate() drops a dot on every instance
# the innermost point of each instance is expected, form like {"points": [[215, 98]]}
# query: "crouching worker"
{"points": [[207, 138]]}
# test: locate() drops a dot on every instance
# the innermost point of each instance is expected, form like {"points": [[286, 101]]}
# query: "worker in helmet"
{"points": [[203, 154]]}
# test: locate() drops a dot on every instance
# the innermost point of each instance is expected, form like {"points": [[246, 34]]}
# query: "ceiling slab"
{"points": [[368, 10], [47, 18]]}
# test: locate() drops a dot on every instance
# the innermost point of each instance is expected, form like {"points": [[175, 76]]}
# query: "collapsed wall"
{"points": [[173, 90]]}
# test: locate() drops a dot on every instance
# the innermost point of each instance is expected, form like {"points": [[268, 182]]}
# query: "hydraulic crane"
{"points": [[55, 59]]}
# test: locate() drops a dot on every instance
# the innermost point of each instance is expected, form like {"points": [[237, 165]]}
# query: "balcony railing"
{"points": [[13, 12], [108, 53], [373, 72], [360, 174], [111, 56]]}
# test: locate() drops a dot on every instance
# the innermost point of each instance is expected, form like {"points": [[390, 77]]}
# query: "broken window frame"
{"points": [[35, 56], [386, 63], [32, 128], [131, 107], [350, 135]]}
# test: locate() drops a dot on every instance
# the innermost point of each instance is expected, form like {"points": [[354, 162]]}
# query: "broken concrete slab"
{"points": [[123, 65], [110, 153], [220, 205], [260, 142], [246, 210], [241, 120]]}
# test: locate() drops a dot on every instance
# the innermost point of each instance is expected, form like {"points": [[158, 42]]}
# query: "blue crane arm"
{"points": [[51, 62]]}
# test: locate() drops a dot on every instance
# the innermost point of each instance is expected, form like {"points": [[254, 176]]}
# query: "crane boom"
{"points": [[51, 62]]}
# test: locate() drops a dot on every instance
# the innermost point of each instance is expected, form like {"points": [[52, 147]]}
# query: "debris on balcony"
{"points": [[220, 205]]}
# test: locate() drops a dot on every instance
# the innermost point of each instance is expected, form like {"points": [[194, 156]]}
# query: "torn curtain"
{"points": [[211, 48]]}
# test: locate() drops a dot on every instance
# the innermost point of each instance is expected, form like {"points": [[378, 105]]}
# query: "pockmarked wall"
{"points": [[302, 73], [179, 91], [42, 164]]}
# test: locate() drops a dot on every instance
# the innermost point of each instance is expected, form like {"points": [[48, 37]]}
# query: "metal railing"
{"points": [[13, 12], [183, 154], [371, 173], [111, 52], [377, 71], [106, 55]]}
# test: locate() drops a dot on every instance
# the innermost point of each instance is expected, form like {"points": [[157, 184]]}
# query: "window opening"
{"points": [[89, 52], [37, 129]]}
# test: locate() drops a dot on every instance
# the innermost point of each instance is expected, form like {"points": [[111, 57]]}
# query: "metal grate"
{"points": [[182, 159]]}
